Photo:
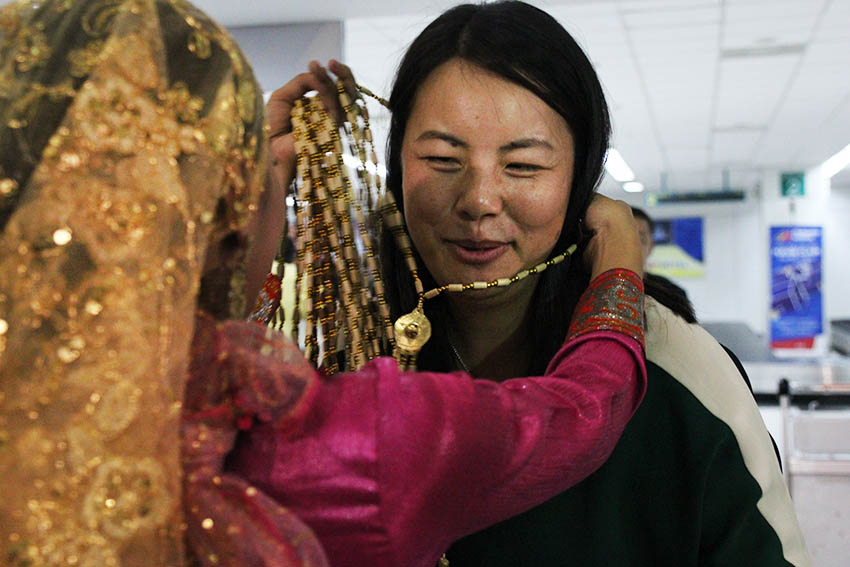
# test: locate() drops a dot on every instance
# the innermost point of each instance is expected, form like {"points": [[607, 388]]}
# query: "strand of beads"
{"points": [[313, 144], [501, 282], [329, 258], [305, 239], [357, 124]]}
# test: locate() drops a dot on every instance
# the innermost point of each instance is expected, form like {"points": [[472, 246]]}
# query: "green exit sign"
{"points": [[793, 184]]}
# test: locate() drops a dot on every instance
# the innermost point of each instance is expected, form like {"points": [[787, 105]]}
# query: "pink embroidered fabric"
{"points": [[613, 301], [390, 468], [241, 373]]}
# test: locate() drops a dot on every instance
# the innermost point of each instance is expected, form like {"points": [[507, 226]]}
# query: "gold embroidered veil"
{"points": [[131, 142]]}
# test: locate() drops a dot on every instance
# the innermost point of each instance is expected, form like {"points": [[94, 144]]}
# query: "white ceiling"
{"points": [[696, 87]]}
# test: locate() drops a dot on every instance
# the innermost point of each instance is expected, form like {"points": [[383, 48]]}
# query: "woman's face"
{"points": [[487, 169]]}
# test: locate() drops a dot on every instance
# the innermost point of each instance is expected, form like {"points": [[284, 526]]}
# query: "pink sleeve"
{"points": [[399, 465], [404, 464], [477, 452]]}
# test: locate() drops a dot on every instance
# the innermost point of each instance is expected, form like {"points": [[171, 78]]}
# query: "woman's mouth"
{"points": [[477, 251]]}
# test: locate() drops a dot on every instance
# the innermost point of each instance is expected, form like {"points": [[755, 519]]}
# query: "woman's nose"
{"points": [[479, 195]]}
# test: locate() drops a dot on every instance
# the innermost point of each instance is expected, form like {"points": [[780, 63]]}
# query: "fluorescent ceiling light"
{"points": [[633, 187], [837, 162], [617, 167]]}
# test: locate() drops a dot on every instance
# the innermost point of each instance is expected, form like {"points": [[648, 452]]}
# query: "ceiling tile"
{"points": [[688, 158], [734, 147], [667, 17], [750, 88]]}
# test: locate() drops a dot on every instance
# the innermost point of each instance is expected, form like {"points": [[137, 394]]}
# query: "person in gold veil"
{"points": [[132, 149]]}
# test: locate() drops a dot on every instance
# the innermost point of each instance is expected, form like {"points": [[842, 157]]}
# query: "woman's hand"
{"points": [[282, 101], [615, 242]]}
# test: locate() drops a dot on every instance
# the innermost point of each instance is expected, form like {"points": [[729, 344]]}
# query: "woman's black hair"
{"points": [[528, 47]]}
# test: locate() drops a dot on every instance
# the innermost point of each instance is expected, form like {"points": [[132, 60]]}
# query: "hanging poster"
{"points": [[678, 251], [796, 309]]}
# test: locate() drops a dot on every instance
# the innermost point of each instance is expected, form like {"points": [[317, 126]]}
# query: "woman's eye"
{"points": [[442, 162], [524, 167]]}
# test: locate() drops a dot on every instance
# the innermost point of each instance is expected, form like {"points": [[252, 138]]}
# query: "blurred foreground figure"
{"points": [[131, 156]]}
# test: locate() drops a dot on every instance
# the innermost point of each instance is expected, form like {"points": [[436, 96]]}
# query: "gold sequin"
{"points": [[93, 307], [199, 44], [32, 49], [67, 355], [62, 236], [246, 99], [84, 60], [8, 186]]}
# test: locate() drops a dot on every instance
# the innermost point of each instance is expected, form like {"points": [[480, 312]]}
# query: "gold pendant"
{"points": [[412, 331]]}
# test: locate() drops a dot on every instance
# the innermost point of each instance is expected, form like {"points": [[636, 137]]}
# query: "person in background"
{"points": [[664, 291]]}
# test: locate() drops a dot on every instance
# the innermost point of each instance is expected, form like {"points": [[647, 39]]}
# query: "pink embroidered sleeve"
{"points": [[390, 468]]}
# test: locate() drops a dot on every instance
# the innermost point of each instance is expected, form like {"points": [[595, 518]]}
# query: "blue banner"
{"points": [[796, 254], [678, 251]]}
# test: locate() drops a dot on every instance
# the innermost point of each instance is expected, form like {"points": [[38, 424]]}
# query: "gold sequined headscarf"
{"points": [[131, 144]]}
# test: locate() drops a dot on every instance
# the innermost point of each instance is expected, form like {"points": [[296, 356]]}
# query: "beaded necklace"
{"points": [[331, 266]]}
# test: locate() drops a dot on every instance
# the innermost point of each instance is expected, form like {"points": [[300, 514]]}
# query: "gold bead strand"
{"points": [[395, 223], [326, 299], [356, 112], [383, 102], [306, 147], [335, 256], [301, 202], [356, 309], [367, 230], [344, 255], [354, 306]]}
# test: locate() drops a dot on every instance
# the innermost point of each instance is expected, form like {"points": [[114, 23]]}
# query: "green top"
{"points": [[693, 481]]}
